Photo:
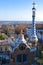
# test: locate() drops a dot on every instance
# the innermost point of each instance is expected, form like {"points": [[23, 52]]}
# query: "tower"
{"points": [[33, 20], [34, 36]]}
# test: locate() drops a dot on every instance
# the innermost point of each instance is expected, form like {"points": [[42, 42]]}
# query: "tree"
{"points": [[3, 36], [19, 28]]}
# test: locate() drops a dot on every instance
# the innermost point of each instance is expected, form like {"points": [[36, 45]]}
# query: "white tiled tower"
{"points": [[34, 36]]}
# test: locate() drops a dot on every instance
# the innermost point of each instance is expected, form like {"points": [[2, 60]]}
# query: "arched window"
{"points": [[22, 46]]}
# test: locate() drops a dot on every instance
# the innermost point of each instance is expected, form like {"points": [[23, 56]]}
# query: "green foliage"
{"points": [[40, 60], [42, 53], [3, 36]]}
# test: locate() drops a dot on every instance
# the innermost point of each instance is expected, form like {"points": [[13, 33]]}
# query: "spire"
{"points": [[34, 36], [34, 4], [33, 20], [33, 11]]}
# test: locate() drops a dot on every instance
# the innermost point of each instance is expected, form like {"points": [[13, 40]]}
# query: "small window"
{"points": [[22, 46], [5, 48]]}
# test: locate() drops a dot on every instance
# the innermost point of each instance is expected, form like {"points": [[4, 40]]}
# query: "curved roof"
{"points": [[19, 40]]}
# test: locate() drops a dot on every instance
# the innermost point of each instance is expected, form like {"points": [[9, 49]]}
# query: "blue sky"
{"points": [[20, 10]]}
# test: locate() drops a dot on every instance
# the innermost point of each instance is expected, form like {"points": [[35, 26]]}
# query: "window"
{"points": [[19, 57], [0, 49], [22, 46], [22, 58], [6, 49]]}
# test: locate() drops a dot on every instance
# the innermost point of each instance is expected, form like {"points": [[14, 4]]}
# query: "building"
{"points": [[23, 52], [4, 45]]}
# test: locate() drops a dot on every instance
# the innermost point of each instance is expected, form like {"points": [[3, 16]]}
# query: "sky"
{"points": [[20, 10]]}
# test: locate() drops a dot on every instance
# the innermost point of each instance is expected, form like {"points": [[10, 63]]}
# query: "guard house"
{"points": [[21, 53]]}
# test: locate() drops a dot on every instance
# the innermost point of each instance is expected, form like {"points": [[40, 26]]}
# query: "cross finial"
{"points": [[33, 4]]}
